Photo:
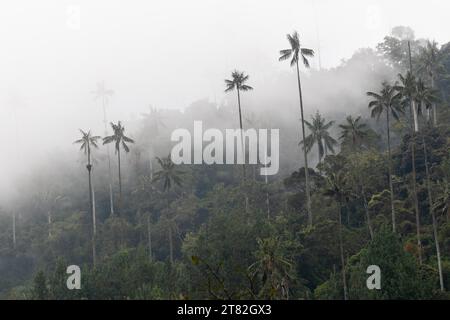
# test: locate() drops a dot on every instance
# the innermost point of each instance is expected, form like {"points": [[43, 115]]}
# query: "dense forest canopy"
{"points": [[376, 191]]}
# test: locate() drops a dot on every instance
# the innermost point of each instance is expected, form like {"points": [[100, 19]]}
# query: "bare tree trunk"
{"points": [[151, 163], [412, 105], [308, 195], [91, 205], [414, 185], [149, 234], [170, 244], [341, 249], [391, 187], [415, 117], [111, 202], [366, 209], [242, 134], [243, 148], [430, 205], [120, 182], [14, 228], [434, 104], [49, 223]]}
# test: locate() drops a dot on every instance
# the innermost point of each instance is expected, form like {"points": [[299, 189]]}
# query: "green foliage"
{"points": [[401, 276]]}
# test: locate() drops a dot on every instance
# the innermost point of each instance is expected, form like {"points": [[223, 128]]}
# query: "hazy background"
{"points": [[164, 53]]}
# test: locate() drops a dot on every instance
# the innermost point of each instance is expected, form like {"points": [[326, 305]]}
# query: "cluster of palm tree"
{"points": [[89, 141], [294, 53], [392, 101], [411, 93]]}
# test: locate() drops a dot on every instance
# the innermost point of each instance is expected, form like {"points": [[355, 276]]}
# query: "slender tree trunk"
{"points": [[170, 232], [308, 195], [433, 216], [120, 181], [170, 244], [366, 209], [434, 104], [14, 228], [242, 133], [149, 236], [243, 147], [414, 184], [151, 162], [318, 151], [341, 249], [391, 187], [413, 111], [105, 121], [91, 205], [49, 223]]}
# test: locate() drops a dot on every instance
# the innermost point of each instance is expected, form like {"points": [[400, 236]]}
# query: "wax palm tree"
{"points": [[407, 88], [408, 93], [237, 82], [387, 101], [319, 135], [425, 97], [295, 53], [169, 175], [87, 142], [120, 139], [430, 63], [152, 124], [442, 202], [353, 132], [103, 94], [338, 189], [274, 267]]}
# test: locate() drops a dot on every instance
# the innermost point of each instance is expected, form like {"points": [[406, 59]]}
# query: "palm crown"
{"points": [[87, 140], [387, 100], [425, 96], [101, 91], [237, 82], [296, 51], [168, 173], [353, 130], [118, 137], [429, 60], [320, 135]]}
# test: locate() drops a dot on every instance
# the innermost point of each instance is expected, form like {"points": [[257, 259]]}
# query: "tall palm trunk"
{"points": [[391, 187], [120, 181], [49, 222], [170, 244], [341, 250], [366, 209], [433, 217], [308, 196], [414, 182], [242, 132], [14, 228], [149, 236], [170, 233], [413, 112], [242, 146], [433, 106], [111, 203], [415, 117], [91, 205]]}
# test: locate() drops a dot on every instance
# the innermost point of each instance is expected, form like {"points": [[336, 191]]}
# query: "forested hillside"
{"points": [[376, 191]]}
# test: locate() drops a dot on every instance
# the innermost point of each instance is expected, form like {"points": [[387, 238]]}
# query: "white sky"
{"points": [[168, 53]]}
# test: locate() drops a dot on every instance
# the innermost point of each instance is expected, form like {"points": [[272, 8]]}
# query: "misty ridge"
{"points": [[87, 180], [273, 103]]}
